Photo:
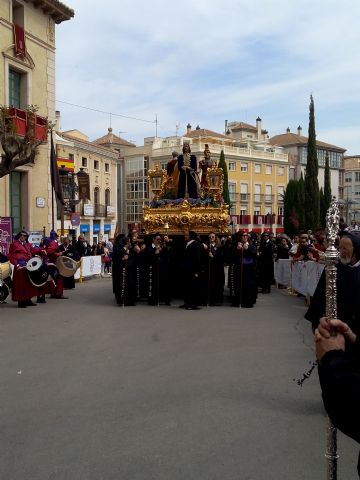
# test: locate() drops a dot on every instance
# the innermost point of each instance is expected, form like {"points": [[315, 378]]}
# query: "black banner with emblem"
{"points": [[84, 185]]}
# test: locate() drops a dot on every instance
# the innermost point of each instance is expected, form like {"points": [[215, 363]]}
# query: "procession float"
{"points": [[185, 198]]}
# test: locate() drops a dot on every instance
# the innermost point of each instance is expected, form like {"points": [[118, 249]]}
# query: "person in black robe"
{"points": [[191, 271], [265, 263], [338, 355], [159, 261], [348, 286], [213, 275], [81, 246], [243, 288], [124, 272]]}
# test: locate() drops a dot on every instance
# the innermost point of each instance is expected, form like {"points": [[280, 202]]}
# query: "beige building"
{"points": [[28, 78], [257, 173], [98, 215], [349, 191], [295, 144]]}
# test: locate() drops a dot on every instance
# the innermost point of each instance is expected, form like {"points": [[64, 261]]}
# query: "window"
{"points": [[15, 80], [357, 176], [71, 157], [232, 192], [268, 193], [280, 192], [243, 211], [96, 195], [268, 169], [244, 167], [281, 171], [243, 192], [281, 211], [84, 162], [348, 177], [257, 212], [233, 210], [257, 193], [107, 197], [163, 166], [232, 167], [257, 168], [107, 168], [96, 164]]}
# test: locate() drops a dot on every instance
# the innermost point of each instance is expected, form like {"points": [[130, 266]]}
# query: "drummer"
{"points": [[53, 252], [20, 252]]}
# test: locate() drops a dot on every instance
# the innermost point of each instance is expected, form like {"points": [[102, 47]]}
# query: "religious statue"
{"points": [[204, 164], [188, 180], [172, 180]]}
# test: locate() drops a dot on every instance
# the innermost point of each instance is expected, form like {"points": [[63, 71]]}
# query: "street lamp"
{"points": [[69, 188]]}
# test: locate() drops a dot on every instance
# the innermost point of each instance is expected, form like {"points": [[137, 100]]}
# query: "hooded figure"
{"points": [[339, 361]]}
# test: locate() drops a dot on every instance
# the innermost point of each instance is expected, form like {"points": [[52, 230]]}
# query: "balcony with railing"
{"points": [[100, 210], [258, 197], [269, 198], [242, 153]]}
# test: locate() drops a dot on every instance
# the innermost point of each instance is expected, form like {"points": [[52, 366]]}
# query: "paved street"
{"points": [[92, 391]]}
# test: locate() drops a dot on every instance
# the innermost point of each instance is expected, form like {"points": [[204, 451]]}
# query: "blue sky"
{"points": [[203, 62]]}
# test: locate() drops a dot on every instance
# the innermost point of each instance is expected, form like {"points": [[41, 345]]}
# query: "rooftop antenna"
{"points": [[156, 125], [110, 119], [177, 126]]}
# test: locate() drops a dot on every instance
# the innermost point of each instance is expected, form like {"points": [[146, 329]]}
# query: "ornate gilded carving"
{"points": [[179, 218]]}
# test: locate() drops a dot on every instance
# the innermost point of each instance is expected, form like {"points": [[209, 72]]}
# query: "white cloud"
{"points": [[203, 61]]}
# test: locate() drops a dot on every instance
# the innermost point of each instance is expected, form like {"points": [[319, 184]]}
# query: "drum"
{"points": [[37, 272], [5, 270], [67, 266], [4, 291]]}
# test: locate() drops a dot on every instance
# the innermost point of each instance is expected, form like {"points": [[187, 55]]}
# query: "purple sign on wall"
{"points": [[5, 234]]}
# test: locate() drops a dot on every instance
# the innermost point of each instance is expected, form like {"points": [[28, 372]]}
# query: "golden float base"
{"points": [[176, 219]]}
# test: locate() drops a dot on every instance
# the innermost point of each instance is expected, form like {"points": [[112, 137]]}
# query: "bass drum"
{"points": [[37, 272], [5, 270], [67, 266], [4, 291]]}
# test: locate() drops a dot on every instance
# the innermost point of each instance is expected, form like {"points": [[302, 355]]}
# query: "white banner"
{"points": [[89, 266], [303, 277], [282, 272], [89, 210]]}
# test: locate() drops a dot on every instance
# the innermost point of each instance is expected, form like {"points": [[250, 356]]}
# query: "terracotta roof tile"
{"points": [[203, 132], [288, 139], [86, 142], [110, 138], [243, 126]]}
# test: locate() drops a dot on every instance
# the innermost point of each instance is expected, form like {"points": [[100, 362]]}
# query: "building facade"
{"points": [[349, 191], [98, 214], [257, 174], [295, 144], [27, 77]]}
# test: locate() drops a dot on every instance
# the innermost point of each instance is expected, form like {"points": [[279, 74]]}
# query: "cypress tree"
{"points": [[301, 202], [225, 193], [312, 201], [327, 183], [291, 216]]}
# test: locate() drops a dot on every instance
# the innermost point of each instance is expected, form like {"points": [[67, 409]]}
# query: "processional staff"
{"points": [[331, 259]]}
